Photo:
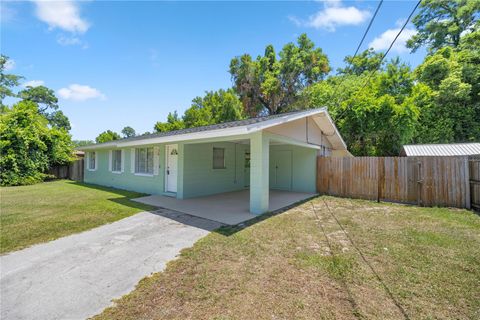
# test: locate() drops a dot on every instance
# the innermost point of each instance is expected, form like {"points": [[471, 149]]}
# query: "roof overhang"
{"points": [[320, 116]]}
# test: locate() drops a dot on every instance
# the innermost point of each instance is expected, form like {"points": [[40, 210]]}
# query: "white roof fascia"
{"points": [[225, 132]]}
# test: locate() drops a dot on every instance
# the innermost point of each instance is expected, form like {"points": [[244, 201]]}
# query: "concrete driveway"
{"points": [[76, 277]]}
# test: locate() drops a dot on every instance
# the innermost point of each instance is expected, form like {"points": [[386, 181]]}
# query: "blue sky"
{"points": [[119, 63]]}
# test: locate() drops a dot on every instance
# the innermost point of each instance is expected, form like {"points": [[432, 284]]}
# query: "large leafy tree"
{"points": [[174, 122], [375, 117], [448, 94], [128, 132], [442, 23], [29, 146], [7, 82], [271, 84], [106, 136], [368, 60], [215, 107]]}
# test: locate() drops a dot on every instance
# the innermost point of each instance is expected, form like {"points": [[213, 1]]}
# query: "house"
{"points": [[275, 152], [447, 149]]}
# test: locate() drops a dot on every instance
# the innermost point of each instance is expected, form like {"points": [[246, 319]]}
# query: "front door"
{"points": [[282, 170], [171, 153]]}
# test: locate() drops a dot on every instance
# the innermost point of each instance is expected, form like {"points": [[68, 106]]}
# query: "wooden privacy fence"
{"points": [[427, 181], [72, 171], [474, 169]]}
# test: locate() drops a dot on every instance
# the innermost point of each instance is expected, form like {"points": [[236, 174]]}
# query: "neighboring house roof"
{"points": [[448, 149], [225, 129]]}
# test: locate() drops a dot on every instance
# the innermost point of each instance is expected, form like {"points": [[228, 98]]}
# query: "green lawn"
{"points": [[391, 262], [47, 211]]}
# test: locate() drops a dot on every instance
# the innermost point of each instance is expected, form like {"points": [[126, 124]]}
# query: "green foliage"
{"points": [[44, 97], [81, 143], [29, 146], [7, 82], [128, 132], [215, 107], [442, 23], [270, 85], [173, 123], [452, 110], [107, 136], [368, 60]]}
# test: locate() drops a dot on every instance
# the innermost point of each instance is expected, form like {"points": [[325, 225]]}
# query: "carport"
{"points": [[239, 168], [228, 208]]}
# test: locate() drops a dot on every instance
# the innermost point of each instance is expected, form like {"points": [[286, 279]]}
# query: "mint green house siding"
{"points": [[199, 176], [259, 154], [301, 174], [126, 180]]}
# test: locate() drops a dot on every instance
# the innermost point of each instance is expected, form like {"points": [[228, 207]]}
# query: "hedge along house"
{"points": [[261, 155]]}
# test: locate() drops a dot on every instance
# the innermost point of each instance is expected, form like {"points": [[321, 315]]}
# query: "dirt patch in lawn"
{"points": [[328, 258]]}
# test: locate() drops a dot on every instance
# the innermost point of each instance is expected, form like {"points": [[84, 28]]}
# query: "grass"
{"points": [[50, 210], [392, 262]]}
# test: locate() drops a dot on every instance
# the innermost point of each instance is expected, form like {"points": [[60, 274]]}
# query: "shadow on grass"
{"points": [[185, 218], [124, 199]]}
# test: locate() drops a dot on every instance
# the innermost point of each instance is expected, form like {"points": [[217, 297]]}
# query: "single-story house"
{"points": [[275, 152], [440, 149]]}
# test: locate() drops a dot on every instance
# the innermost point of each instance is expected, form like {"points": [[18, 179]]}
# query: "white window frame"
{"points": [[145, 173], [111, 161], [95, 161], [213, 159]]}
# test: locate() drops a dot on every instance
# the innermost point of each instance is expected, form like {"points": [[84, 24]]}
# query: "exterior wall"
{"points": [[126, 180], [304, 169], [196, 176], [301, 129], [199, 177]]}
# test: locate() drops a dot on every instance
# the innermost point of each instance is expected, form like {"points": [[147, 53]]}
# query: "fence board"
{"points": [[429, 181], [72, 171]]}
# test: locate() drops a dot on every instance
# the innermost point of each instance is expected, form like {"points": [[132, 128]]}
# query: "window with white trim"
{"points": [[144, 160], [218, 158], [117, 160], [92, 160]]}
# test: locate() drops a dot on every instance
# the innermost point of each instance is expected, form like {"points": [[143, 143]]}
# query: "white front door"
{"points": [[171, 153]]}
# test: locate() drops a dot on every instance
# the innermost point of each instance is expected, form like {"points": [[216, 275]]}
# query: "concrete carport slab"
{"points": [[228, 208]]}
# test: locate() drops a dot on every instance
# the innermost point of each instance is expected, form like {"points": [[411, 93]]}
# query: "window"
{"points": [[218, 158], [92, 161], [144, 160], [117, 160]]}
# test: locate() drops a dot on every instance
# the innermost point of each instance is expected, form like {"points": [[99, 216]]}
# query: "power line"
{"points": [[386, 52], [368, 28], [361, 42]]}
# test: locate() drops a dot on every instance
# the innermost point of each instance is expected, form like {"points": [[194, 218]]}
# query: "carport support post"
{"points": [[259, 171]]}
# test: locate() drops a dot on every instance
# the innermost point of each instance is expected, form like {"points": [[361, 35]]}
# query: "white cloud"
{"points": [[77, 92], [34, 83], [333, 15], [61, 14], [68, 41], [9, 65], [383, 41]]}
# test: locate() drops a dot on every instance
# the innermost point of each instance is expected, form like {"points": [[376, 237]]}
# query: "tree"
{"points": [[29, 146], [368, 60], [173, 123], [215, 107], [128, 132], [7, 82], [448, 96], [44, 97], [107, 136], [81, 143], [442, 23], [269, 85]]}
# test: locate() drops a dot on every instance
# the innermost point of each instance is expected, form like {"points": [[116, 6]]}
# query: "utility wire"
{"points": [[361, 42], [386, 52]]}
